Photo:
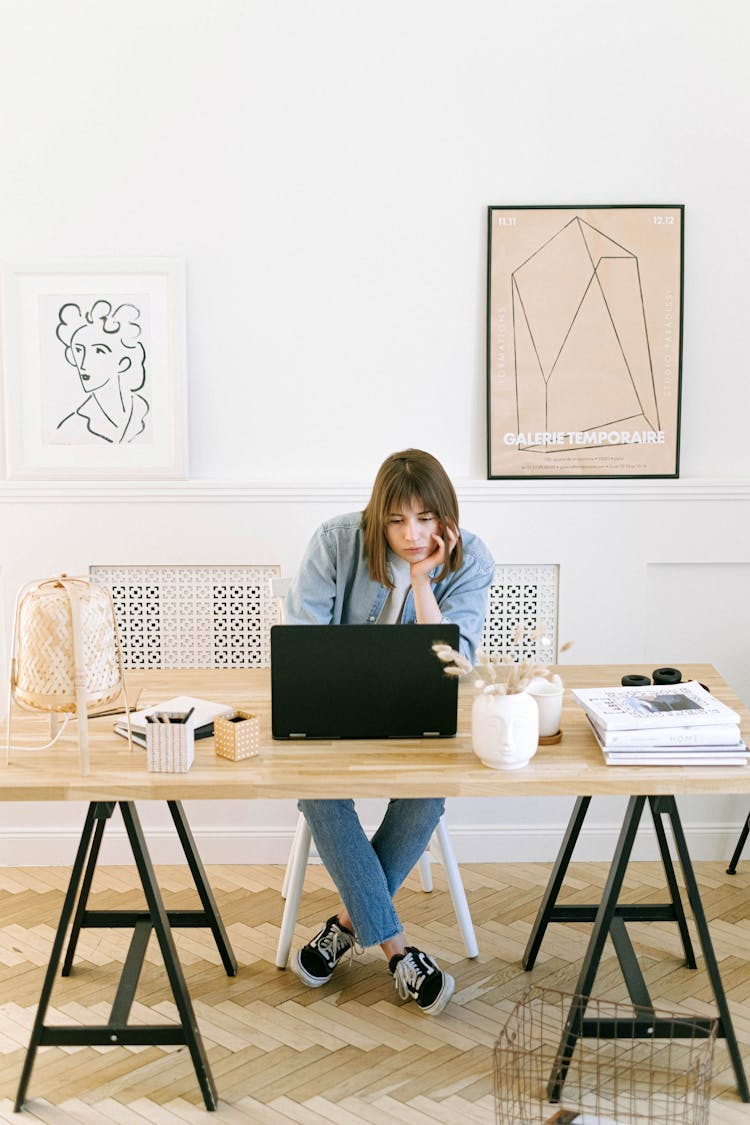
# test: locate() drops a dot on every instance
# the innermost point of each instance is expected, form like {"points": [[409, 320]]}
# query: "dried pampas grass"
{"points": [[498, 675]]}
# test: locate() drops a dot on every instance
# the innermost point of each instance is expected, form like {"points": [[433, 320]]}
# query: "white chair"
{"points": [[440, 847], [295, 878]]}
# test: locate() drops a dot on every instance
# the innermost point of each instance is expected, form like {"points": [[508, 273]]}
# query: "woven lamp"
{"points": [[65, 655]]}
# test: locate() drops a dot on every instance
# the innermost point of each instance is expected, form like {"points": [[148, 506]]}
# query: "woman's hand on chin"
{"points": [[420, 571]]}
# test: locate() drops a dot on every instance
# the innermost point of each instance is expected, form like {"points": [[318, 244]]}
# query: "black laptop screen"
{"points": [[361, 681]]}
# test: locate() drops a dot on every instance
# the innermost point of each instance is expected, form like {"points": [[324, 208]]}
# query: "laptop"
{"points": [[361, 681]]}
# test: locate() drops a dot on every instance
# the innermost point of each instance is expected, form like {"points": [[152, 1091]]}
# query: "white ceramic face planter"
{"points": [[505, 730]]}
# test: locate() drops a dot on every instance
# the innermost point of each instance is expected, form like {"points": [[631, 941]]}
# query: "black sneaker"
{"points": [[417, 977], [314, 963]]}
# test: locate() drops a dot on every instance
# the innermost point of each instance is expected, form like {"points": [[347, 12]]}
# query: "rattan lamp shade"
{"points": [[66, 652]]}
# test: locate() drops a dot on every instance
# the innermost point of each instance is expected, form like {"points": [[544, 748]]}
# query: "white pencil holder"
{"points": [[170, 747]]}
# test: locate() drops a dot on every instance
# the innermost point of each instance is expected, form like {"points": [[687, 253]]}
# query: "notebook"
{"points": [[361, 681], [204, 713]]}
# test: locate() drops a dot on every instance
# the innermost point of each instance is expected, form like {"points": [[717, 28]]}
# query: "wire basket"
{"points": [[663, 1078]]}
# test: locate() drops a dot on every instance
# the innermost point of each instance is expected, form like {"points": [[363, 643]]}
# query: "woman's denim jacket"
{"points": [[333, 585]]}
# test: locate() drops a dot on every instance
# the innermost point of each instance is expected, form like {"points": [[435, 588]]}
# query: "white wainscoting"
{"points": [[639, 564], [701, 608], [481, 840]]}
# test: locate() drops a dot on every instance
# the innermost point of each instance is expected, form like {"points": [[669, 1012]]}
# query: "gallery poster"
{"points": [[584, 341]]}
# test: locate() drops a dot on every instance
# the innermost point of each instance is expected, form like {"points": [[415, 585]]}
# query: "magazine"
{"points": [[720, 734], [653, 755], [677, 759], [649, 708]]}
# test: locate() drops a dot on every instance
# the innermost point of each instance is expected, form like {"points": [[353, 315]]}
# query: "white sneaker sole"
{"points": [[442, 997], [299, 970]]}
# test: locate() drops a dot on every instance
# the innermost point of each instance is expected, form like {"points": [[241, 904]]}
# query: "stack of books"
{"points": [[669, 724], [203, 713]]}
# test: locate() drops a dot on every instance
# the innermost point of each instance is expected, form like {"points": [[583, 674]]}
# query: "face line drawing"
{"points": [[110, 371]]}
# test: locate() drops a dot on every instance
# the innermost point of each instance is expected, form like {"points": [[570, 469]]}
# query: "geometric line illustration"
{"points": [[582, 352]]}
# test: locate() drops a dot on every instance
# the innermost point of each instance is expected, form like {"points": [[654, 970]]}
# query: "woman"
{"points": [[403, 560]]}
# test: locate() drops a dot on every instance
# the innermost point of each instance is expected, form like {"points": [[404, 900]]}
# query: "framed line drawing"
{"points": [[584, 341], [94, 369]]}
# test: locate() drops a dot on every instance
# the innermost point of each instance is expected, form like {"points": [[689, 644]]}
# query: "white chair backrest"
{"points": [[519, 594], [193, 616], [279, 591], [523, 595]]}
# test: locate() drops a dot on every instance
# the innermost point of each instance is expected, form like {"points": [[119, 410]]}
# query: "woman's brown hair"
{"points": [[402, 479]]}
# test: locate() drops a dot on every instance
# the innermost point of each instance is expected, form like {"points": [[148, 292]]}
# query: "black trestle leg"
{"points": [[609, 920], [546, 908], [104, 812], [208, 916], [732, 869], [211, 910], [655, 804], [57, 947], [602, 926], [117, 1030], [163, 931], [726, 1029]]}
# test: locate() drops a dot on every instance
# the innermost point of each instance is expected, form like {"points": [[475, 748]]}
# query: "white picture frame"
{"points": [[94, 369]]}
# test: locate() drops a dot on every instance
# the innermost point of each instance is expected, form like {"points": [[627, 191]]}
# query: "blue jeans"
{"points": [[366, 872]]}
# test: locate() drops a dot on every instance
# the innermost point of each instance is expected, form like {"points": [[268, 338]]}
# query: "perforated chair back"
{"points": [[193, 616]]}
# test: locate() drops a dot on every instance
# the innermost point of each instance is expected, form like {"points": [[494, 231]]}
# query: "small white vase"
{"points": [[505, 729]]}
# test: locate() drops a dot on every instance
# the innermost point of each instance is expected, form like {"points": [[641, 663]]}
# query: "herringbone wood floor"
{"points": [[350, 1052]]}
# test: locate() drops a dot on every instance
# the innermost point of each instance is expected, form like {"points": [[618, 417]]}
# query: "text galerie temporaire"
{"points": [[589, 437]]}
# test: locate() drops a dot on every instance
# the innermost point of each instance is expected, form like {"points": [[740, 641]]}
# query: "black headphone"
{"points": [[660, 676]]}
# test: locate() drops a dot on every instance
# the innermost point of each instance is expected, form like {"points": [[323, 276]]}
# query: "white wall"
{"points": [[324, 169]]}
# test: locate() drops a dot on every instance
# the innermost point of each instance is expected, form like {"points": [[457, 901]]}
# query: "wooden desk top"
{"points": [[408, 768]]}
